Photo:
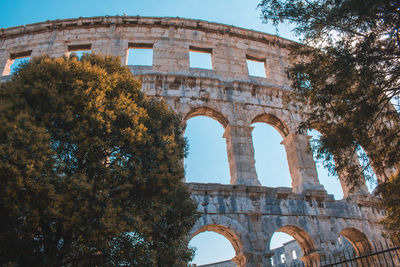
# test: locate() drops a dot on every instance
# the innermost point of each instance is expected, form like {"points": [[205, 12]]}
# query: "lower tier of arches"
{"points": [[248, 216]]}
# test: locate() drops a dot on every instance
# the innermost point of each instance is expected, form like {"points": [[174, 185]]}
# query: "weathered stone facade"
{"points": [[246, 213]]}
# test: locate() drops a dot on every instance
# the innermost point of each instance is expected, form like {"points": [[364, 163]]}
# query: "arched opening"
{"points": [[215, 244], [274, 122], [331, 183], [290, 244], [285, 249], [371, 179], [358, 240], [207, 160], [208, 112], [211, 247], [270, 156], [344, 250]]}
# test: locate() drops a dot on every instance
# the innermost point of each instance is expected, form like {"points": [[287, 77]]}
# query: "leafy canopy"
{"points": [[347, 74], [90, 169]]}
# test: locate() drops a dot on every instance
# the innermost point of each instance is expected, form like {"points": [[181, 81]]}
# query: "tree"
{"points": [[347, 74], [90, 169]]}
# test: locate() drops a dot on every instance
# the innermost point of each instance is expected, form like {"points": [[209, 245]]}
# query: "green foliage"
{"points": [[391, 194], [347, 74], [90, 169]]}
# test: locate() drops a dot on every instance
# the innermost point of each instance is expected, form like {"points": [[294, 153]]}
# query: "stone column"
{"points": [[114, 44], [312, 259], [359, 188], [170, 56], [301, 163], [5, 63], [384, 175], [7, 67], [240, 260], [240, 151]]}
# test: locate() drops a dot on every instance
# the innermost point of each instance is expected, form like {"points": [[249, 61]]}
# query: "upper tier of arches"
{"points": [[227, 92]]}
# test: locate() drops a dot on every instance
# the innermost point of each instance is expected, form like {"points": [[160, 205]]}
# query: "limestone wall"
{"points": [[248, 216], [226, 93], [244, 212]]}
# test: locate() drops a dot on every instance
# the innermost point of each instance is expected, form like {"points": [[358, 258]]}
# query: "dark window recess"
{"points": [[80, 47]]}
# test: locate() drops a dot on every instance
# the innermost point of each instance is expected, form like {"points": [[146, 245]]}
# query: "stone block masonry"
{"points": [[246, 213]]}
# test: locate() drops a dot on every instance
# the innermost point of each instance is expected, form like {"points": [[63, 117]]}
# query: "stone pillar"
{"points": [[7, 67], [359, 188], [5, 63], [267, 258], [384, 175], [240, 260], [113, 43], [312, 259], [301, 163], [170, 56], [240, 151]]}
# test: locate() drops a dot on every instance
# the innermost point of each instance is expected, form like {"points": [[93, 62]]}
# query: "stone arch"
{"points": [[270, 155], [378, 174], [228, 233], [323, 132], [208, 112], [357, 239], [332, 185], [305, 241], [228, 91], [348, 189], [217, 151], [300, 161], [274, 122]]}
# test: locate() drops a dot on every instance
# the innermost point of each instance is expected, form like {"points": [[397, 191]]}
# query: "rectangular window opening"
{"points": [[17, 59], [140, 54], [200, 57], [294, 255], [256, 66], [283, 258], [340, 240], [79, 50]]}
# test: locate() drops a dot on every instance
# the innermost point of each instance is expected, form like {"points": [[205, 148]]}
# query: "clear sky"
{"points": [[207, 147], [236, 12]]}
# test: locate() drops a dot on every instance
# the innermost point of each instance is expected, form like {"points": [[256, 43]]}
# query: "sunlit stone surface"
{"points": [[244, 212]]}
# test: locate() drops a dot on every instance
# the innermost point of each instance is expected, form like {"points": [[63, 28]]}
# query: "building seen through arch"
{"points": [[211, 245]]}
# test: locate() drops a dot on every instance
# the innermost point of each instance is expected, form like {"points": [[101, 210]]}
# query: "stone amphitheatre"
{"points": [[245, 212]]}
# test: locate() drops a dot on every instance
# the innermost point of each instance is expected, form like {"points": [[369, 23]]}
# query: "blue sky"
{"points": [[234, 12], [207, 147]]}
